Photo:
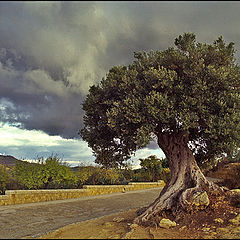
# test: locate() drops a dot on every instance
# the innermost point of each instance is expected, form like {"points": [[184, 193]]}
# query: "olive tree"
{"points": [[185, 97]]}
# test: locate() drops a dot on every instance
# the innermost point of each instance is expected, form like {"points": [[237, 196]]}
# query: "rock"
{"points": [[167, 223], [235, 191], [182, 228], [200, 199], [134, 225], [218, 220], [234, 197], [236, 220], [206, 229], [118, 219]]}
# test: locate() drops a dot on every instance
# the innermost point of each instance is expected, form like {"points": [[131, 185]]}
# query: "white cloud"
{"points": [[13, 136], [145, 152], [31, 144], [51, 52]]}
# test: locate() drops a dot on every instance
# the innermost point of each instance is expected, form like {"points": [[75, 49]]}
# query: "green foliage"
{"points": [[152, 169], [49, 173], [165, 163], [192, 88], [58, 174], [4, 178], [99, 175], [152, 166], [165, 175], [29, 175], [84, 173]]}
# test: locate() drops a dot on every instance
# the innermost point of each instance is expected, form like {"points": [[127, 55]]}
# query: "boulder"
{"points": [[134, 225], [234, 197], [200, 199], [235, 221], [167, 223]]}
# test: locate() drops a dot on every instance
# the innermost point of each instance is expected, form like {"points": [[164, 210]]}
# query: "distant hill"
{"points": [[8, 161]]}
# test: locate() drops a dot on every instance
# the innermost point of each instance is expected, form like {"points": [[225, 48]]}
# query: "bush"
{"points": [[109, 176], [58, 174], [49, 173], [152, 170], [4, 178], [30, 175], [99, 175], [165, 175], [85, 175]]}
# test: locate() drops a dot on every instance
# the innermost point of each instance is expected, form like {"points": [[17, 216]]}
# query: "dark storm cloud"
{"points": [[51, 52]]}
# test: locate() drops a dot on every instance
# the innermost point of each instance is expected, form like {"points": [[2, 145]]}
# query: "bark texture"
{"points": [[186, 179]]}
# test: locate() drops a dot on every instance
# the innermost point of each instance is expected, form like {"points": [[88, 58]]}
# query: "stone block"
{"points": [[167, 223]]}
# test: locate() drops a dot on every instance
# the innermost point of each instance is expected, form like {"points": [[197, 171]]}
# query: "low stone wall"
{"points": [[31, 196]]}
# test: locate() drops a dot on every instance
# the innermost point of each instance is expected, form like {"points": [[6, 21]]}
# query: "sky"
{"points": [[52, 52]]}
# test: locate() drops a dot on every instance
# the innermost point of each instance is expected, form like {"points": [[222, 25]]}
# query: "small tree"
{"points": [[47, 173], [110, 176], [85, 175], [186, 97], [98, 175], [4, 178], [30, 175], [57, 173], [153, 166]]}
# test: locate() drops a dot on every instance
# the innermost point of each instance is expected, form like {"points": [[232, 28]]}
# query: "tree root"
{"points": [[174, 202]]}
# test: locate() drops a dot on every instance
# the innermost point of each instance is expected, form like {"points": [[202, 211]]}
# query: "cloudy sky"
{"points": [[51, 52]]}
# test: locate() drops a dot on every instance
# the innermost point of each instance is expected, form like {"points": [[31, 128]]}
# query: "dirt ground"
{"points": [[114, 226], [219, 220], [201, 225]]}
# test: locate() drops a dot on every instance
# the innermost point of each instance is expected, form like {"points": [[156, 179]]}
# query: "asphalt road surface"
{"points": [[32, 220]]}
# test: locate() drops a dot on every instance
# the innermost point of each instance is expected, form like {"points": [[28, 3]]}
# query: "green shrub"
{"points": [[84, 174], [4, 178], [30, 175], [165, 174], [58, 174], [47, 173], [98, 175]]}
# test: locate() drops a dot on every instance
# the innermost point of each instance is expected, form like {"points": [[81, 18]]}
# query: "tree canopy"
{"points": [[191, 88]]}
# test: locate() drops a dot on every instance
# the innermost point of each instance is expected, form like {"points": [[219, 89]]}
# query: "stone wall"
{"points": [[30, 196]]}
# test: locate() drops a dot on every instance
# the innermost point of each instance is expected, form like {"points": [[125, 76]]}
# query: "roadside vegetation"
{"points": [[53, 173]]}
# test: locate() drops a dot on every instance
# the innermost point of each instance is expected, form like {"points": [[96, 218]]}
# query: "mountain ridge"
{"points": [[9, 161]]}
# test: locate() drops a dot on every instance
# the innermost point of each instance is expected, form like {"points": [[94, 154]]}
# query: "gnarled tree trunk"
{"points": [[186, 179]]}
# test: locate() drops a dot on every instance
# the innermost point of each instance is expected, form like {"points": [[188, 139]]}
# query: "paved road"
{"points": [[35, 219]]}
